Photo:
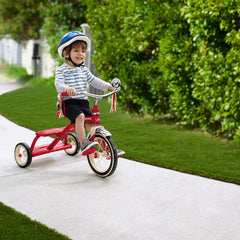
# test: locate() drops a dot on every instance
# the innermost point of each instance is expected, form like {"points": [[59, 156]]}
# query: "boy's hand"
{"points": [[71, 91], [111, 88]]}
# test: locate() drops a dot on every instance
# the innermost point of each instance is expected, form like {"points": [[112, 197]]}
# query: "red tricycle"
{"points": [[103, 160]]}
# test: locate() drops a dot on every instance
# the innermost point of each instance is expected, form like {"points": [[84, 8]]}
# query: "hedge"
{"points": [[174, 57]]}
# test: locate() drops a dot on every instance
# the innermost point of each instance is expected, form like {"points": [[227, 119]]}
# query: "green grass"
{"points": [[20, 74], [144, 140], [167, 146], [16, 226], [15, 72]]}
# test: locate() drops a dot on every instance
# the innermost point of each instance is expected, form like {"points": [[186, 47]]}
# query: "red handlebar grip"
{"points": [[64, 94]]}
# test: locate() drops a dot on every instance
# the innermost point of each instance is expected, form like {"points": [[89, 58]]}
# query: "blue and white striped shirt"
{"points": [[78, 78]]}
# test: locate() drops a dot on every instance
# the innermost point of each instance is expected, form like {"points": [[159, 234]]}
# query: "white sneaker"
{"points": [[86, 145]]}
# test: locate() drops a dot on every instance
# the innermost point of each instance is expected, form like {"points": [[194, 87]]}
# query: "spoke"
{"points": [[21, 154], [100, 158]]}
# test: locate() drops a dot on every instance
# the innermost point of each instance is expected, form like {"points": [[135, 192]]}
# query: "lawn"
{"points": [[157, 143], [16, 226], [153, 142]]}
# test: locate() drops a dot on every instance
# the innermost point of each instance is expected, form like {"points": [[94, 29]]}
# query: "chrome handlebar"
{"points": [[96, 96]]}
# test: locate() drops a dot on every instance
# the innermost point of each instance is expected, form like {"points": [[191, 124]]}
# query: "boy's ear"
{"points": [[65, 55]]}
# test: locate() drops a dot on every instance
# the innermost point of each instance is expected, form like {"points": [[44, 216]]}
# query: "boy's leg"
{"points": [[79, 127], [88, 125]]}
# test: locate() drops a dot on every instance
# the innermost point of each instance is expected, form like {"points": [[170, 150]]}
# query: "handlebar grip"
{"points": [[63, 94]]}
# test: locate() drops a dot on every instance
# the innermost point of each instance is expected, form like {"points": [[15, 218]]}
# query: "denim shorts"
{"points": [[74, 107]]}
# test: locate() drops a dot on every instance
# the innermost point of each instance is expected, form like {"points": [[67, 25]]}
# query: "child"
{"points": [[73, 77]]}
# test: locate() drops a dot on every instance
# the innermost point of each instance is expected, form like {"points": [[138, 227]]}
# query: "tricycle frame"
{"points": [[107, 150]]}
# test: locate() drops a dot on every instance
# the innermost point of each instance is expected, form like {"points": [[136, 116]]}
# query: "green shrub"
{"points": [[173, 57], [214, 29], [17, 72], [20, 74], [126, 43], [61, 17]]}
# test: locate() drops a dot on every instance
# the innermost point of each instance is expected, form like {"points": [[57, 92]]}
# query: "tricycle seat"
{"points": [[50, 132]]}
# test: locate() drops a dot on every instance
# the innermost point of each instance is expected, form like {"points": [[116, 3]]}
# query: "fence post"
{"points": [[88, 61], [36, 58]]}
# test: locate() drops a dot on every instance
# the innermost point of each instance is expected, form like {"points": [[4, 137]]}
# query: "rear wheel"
{"points": [[23, 155], [104, 160], [73, 140]]}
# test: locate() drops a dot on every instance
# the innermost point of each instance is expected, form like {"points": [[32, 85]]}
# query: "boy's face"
{"points": [[78, 54]]}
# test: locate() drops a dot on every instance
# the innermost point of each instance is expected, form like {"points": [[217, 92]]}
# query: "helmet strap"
{"points": [[75, 64]]}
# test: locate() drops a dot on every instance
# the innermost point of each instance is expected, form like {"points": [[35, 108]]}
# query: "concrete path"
{"points": [[138, 202], [7, 85]]}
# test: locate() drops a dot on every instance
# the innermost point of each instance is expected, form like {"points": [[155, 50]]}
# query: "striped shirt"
{"points": [[78, 78]]}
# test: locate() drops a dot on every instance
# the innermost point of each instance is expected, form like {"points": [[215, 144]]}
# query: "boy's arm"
{"points": [[60, 82], [102, 85], [97, 82]]}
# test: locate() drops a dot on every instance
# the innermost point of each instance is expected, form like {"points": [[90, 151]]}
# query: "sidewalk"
{"points": [[8, 85], [138, 202]]}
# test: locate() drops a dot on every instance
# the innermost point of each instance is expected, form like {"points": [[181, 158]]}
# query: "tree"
{"points": [[20, 19], [61, 16], [24, 20]]}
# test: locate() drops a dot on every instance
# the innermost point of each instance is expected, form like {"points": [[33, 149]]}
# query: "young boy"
{"points": [[73, 77]]}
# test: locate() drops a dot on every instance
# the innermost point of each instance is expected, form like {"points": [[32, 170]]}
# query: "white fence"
{"points": [[34, 55], [10, 51]]}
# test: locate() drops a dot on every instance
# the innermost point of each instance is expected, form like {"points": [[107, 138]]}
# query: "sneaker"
{"points": [[120, 152], [86, 145]]}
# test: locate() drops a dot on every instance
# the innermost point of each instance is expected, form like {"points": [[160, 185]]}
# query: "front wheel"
{"points": [[104, 160], [23, 155]]}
